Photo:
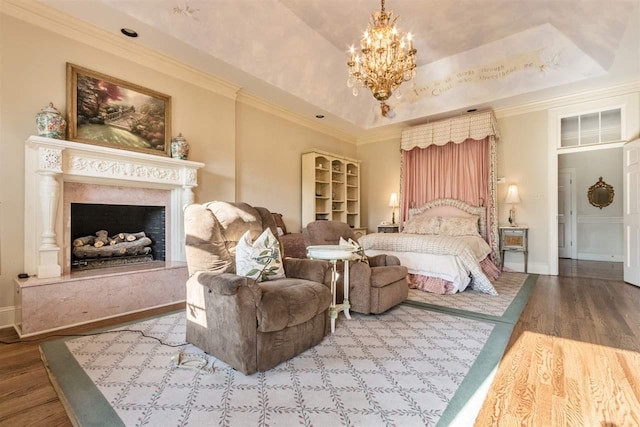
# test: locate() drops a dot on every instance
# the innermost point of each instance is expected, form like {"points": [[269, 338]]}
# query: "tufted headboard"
{"points": [[453, 208]]}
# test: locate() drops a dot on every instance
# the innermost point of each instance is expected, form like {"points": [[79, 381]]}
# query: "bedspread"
{"points": [[468, 249]]}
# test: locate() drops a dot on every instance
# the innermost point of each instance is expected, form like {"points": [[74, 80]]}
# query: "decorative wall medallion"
{"points": [[50, 159]]}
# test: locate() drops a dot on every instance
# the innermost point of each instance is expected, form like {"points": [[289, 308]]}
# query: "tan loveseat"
{"points": [[250, 326]]}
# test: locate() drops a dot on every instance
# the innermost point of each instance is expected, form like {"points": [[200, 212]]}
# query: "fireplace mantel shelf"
{"points": [[97, 164]]}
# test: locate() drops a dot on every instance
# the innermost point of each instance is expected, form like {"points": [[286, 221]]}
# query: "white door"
{"points": [[565, 213], [631, 191]]}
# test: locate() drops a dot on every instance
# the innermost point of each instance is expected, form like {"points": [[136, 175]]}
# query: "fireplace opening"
{"points": [[134, 234]]}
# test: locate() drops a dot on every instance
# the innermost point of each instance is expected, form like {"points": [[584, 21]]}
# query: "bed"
{"points": [[444, 246]]}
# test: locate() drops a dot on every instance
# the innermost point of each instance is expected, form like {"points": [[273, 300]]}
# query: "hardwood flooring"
{"points": [[572, 360]]}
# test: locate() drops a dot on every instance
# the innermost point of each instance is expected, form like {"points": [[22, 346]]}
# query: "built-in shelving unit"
{"points": [[330, 188]]}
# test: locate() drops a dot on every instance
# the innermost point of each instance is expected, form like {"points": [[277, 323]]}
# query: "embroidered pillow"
{"points": [[359, 251], [260, 260], [459, 226], [423, 225]]}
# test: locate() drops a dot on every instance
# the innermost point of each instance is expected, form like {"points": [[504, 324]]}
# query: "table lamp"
{"points": [[393, 203], [512, 197]]}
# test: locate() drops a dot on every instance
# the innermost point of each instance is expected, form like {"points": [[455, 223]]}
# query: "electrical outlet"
{"points": [[501, 180]]}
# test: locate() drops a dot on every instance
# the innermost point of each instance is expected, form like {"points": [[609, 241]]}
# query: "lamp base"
{"points": [[512, 217]]}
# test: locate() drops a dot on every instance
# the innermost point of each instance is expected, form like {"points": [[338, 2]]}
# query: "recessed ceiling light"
{"points": [[129, 32], [319, 116], [473, 110]]}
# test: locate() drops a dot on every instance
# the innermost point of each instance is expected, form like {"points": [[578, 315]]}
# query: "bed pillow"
{"points": [[260, 260], [423, 225], [460, 226]]}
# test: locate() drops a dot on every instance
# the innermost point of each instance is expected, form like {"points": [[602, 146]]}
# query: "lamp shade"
{"points": [[512, 195], [393, 200]]}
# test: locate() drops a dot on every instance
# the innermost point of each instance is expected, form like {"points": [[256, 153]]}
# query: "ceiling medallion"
{"points": [[386, 60]]}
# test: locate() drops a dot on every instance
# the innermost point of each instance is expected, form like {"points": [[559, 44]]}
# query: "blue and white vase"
{"points": [[51, 123]]}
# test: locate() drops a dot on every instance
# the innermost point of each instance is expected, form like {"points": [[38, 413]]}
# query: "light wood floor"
{"points": [[573, 360], [574, 356]]}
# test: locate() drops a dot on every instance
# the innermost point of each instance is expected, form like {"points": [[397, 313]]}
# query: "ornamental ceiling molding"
{"points": [[65, 25]]}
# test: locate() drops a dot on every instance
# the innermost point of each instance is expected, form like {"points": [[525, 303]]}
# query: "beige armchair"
{"points": [[374, 287], [250, 326]]}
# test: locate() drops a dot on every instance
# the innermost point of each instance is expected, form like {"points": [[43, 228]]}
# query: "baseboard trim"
{"points": [[590, 256], [532, 268], [47, 331], [7, 316]]}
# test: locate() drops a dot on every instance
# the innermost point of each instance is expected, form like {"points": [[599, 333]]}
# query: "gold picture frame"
{"points": [[600, 194], [107, 111]]}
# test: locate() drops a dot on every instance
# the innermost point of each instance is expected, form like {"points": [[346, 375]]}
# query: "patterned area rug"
{"points": [[406, 367], [513, 293]]}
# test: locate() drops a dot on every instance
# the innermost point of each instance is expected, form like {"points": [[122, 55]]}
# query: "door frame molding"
{"points": [[574, 209]]}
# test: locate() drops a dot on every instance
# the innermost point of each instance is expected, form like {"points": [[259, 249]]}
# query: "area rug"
{"points": [[513, 293], [406, 367]]}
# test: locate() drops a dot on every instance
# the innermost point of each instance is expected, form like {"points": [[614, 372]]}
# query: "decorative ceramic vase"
{"points": [[51, 123], [179, 148]]}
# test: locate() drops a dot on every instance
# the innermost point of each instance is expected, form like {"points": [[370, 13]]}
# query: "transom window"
{"points": [[591, 128]]}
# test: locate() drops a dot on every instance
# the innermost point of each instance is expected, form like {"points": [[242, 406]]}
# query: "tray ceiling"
{"points": [[471, 54]]}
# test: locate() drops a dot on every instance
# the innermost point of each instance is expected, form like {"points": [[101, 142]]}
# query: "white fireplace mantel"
{"points": [[49, 162]]}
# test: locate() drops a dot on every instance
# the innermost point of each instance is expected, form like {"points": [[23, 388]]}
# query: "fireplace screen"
{"points": [[112, 235]]}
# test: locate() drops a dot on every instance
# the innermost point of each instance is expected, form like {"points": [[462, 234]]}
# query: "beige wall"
{"points": [[269, 161], [249, 154], [380, 178], [522, 159]]}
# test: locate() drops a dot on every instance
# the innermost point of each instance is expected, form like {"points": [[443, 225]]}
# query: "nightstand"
{"points": [[389, 228], [514, 239]]}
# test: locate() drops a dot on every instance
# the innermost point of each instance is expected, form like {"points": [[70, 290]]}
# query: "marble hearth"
{"points": [[58, 173]]}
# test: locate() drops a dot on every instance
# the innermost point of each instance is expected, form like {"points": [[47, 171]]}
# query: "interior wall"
{"points": [[522, 160], [269, 161], [380, 177], [600, 231], [33, 73]]}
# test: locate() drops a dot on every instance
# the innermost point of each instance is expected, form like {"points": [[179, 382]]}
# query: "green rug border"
{"points": [[488, 360], [511, 314], [85, 404]]}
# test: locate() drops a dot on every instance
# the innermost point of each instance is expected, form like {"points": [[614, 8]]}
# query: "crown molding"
{"points": [[574, 98], [53, 20], [383, 134], [264, 105]]}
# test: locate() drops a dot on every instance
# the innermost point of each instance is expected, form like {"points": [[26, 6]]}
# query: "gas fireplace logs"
{"points": [[103, 246]]}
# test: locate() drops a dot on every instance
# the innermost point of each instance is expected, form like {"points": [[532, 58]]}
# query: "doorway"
{"points": [[590, 238]]}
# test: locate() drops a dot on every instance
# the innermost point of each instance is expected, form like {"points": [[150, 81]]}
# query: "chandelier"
{"points": [[387, 58]]}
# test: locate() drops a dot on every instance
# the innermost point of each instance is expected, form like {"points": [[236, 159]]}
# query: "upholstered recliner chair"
{"points": [[250, 326], [374, 287]]}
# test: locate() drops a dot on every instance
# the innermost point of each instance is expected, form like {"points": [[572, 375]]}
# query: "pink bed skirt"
{"points": [[441, 286]]}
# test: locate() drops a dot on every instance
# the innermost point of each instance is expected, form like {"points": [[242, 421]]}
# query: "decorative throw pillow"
{"points": [[260, 260], [460, 226], [358, 252], [422, 225]]}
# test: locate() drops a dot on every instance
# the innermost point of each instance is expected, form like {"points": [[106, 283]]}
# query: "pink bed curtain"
{"points": [[457, 171]]}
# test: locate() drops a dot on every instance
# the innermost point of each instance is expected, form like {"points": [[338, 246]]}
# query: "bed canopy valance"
{"points": [[475, 126], [431, 169]]}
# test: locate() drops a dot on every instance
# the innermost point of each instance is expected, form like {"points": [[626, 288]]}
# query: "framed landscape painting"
{"points": [[107, 111]]}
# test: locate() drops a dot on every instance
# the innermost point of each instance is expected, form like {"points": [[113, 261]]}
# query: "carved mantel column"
{"points": [[49, 169]]}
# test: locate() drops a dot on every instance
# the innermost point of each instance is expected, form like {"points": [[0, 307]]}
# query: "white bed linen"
{"points": [[456, 259], [447, 267]]}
